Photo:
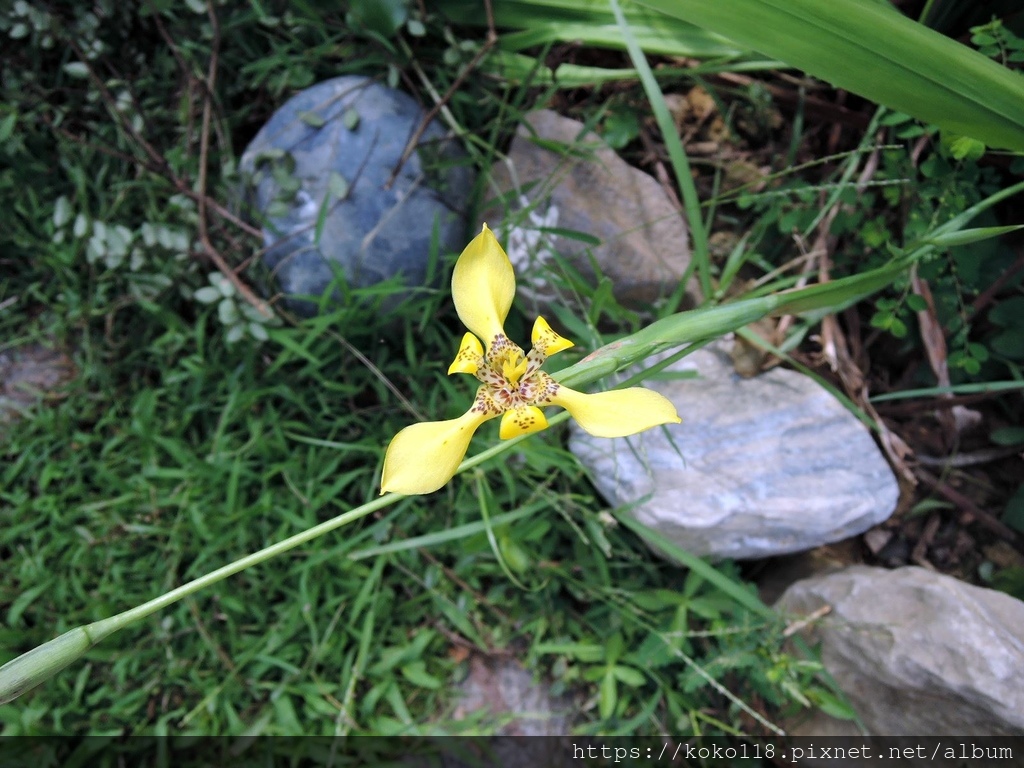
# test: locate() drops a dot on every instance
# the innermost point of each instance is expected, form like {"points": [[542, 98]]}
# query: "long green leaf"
{"points": [[681, 41], [592, 23], [871, 49]]}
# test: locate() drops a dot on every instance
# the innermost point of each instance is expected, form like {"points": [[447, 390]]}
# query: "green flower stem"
{"points": [[25, 672], [38, 665], [712, 322], [30, 669]]}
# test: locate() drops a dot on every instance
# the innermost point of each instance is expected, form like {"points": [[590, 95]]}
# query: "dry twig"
{"points": [[204, 148], [970, 512], [414, 140]]}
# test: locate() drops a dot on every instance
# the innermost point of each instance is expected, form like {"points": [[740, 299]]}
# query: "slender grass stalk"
{"points": [[985, 387], [30, 669], [674, 145]]}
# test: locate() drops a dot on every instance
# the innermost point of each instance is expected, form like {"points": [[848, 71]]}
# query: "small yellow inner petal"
{"points": [[513, 367], [545, 340], [522, 421], [471, 353]]}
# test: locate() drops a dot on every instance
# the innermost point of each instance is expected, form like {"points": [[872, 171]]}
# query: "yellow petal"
{"points": [[522, 421], [470, 355], [424, 456], [617, 413], [546, 340], [483, 286]]}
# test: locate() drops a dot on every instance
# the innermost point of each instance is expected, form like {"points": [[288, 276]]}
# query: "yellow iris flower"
{"points": [[423, 457]]}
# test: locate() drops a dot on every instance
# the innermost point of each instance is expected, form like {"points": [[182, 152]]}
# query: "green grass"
{"points": [[156, 469], [174, 452]]}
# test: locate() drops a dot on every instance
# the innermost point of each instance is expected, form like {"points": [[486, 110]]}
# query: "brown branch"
{"points": [[158, 164], [204, 135], [204, 150], [180, 185], [834, 347], [814, 106], [985, 297], [414, 140], [367, 362], [225, 659], [186, 73], [894, 408], [970, 512], [155, 157]]}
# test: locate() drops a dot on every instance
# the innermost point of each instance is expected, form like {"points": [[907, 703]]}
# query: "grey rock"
{"points": [[918, 652], [29, 373], [508, 697], [324, 160], [573, 181], [759, 467]]}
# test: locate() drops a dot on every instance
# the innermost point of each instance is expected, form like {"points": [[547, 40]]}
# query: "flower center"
{"points": [[513, 367], [513, 379], [506, 372]]}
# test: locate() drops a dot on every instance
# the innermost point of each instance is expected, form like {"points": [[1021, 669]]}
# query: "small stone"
{"points": [[560, 177], [877, 538], [759, 467], [319, 179], [918, 652], [28, 373], [509, 695]]}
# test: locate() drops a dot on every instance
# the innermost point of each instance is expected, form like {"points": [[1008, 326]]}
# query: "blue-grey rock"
{"points": [[317, 181], [758, 468]]}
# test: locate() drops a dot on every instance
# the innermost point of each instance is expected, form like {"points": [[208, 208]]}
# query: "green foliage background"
{"points": [[195, 433]]}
